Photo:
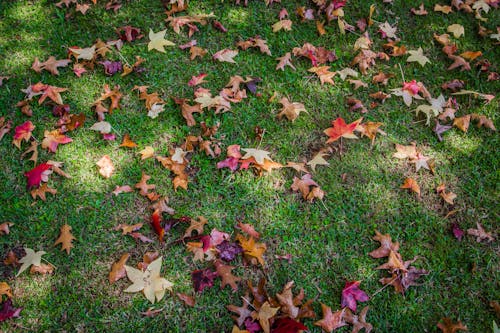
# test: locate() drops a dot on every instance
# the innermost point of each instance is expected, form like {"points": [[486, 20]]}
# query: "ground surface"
{"points": [[328, 240]]}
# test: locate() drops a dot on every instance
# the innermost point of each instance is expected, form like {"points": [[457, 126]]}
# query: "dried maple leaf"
{"points": [[126, 228], [462, 122], [41, 191], [187, 112], [421, 161], [458, 62], [403, 152], [53, 93], [285, 60], [149, 281], [412, 185], [31, 258], [129, 33], [282, 25], [224, 272], [5, 290], [203, 278], [446, 325], [196, 225], [358, 321], [331, 321], [248, 229], [147, 258], [480, 234], [456, 29], [65, 238], [341, 129], [325, 76], [263, 315], [386, 245], [418, 56], [50, 65], [443, 9], [483, 121], [252, 249], [157, 41], [196, 51], [188, 300], [4, 228], [22, 132], [106, 167], [290, 110], [286, 301], [226, 55], [118, 269], [420, 11], [54, 138], [318, 160], [5, 127], [243, 312], [351, 293]]}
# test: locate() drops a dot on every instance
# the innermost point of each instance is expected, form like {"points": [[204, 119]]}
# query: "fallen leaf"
{"points": [[456, 29], [4, 228], [480, 234], [351, 293], [158, 41], [53, 139], [42, 191], [106, 167], [188, 300], [226, 55], [149, 282], [290, 110], [412, 185], [65, 238], [341, 129], [418, 56], [118, 269], [265, 313], [8, 311], [31, 258], [331, 320], [448, 326], [224, 272], [318, 160], [23, 132]]}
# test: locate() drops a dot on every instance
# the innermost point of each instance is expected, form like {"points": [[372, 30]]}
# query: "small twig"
{"points": [[51, 264], [385, 286], [123, 58], [248, 302], [261, 137], [402, 74]]}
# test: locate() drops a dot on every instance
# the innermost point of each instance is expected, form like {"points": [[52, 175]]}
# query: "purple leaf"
{"points": [[203, 278], [8, 311], [440, 129], [252, 84], [351, 293], [457, 232], [228, 251], [252, 326], [111, 67]]}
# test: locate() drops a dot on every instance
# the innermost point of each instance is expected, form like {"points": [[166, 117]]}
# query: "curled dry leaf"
{"points": [[118, 269], [65, 238], [412, 185], [4, 228]]}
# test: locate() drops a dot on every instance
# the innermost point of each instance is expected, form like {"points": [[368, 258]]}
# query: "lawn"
{"points": [[328, 239]]}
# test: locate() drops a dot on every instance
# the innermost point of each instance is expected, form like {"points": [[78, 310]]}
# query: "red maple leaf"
{"points": [[35, 175], [351, 293], [341, 129], [8, 311], [155, 222]]}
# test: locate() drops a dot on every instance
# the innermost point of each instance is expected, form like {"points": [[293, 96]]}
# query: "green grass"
{"points": [[329, 241]]}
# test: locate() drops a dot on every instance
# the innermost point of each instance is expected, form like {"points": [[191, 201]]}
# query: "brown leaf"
{"points": [[188, 300], [249, 230], [480, 234], [448, 326], [65, 238], [127, 142], [331, 321], [286, 301], [242, 311], [41, 191], [358, 321], [386, 245], [263, 315], [42, 269], [126, 228], [187, 112], [122, 189], [143, 186], [151, 312], [224, 271], [4, 228], [462, 122], [196, 225], [118, 269], [147, 258], [412, 185]]}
